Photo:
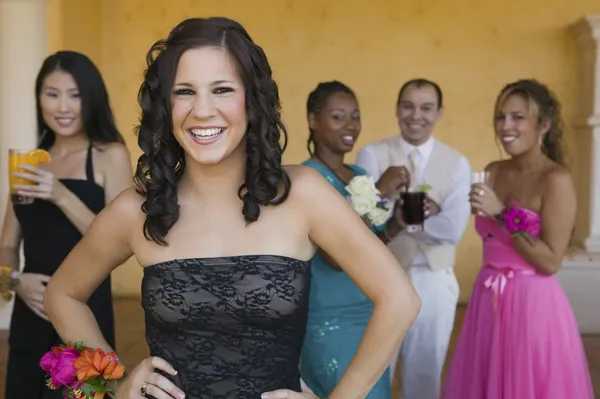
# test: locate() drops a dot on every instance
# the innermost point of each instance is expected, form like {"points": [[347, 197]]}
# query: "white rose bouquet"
{"points": [[365, 198]]}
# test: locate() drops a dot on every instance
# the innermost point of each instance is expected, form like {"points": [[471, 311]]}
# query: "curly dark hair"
{"points": [[317, 99], [543, 105], [162, 164]]}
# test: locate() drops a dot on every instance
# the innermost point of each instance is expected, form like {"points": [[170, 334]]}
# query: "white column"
{"points": [[587, 33], [580, 272], [23, 48]]}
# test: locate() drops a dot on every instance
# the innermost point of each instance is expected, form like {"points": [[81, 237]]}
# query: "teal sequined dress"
{"points": [[337, 317]]}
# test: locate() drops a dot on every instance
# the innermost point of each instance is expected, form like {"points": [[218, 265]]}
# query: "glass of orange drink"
{"points": [[24, 157]]}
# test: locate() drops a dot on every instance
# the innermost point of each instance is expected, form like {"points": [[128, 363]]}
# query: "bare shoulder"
{"points": [[118, 222], [306, 182], [112, 153], [126, 207], [109, 149], [299, 171], [312, 196], [557, 179]]}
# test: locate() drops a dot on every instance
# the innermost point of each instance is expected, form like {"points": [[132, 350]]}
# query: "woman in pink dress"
{"points": [[520, 339]]}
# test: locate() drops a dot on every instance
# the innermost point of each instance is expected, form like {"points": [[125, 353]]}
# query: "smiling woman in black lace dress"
{"points": [[225, 234]]}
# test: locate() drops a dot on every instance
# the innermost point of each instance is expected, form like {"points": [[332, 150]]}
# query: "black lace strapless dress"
{"points": [[232, 327]]}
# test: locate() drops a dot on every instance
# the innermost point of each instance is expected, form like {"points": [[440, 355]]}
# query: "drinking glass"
{"points": [[23, 157], [413, 210], [478, 178]]}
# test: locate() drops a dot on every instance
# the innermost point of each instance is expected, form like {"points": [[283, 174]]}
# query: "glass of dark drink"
{"points": [[413, 209]]}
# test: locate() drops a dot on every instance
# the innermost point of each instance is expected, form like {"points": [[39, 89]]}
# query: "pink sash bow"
{"points": [[496, 283]]}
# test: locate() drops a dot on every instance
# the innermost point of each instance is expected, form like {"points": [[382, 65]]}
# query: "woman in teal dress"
{"points": [[338, 311]]}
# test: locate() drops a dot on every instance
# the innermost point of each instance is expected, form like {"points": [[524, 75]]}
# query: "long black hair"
{"points": [[317, 99], [98, 121], [162, 163]]}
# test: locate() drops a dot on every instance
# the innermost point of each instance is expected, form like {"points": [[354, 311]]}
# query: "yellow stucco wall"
{"points": [[471, 47]]}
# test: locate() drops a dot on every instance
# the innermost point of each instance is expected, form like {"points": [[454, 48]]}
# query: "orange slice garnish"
{"points": [[42, 156]]}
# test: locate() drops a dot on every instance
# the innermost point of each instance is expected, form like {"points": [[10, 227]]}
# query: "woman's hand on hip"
{"points": [[306, 393], [144, 380]]}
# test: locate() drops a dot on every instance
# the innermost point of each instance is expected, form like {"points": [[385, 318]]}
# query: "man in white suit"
{"points": [[410, 159]]}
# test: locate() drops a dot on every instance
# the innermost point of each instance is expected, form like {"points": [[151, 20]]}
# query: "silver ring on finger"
{"points": [[144, 389]]}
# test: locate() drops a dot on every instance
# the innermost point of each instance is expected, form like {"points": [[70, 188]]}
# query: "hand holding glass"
{"points": [[23, 157], [413, 209], [478, 178]]}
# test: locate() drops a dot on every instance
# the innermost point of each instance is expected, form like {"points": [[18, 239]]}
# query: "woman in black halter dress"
{"points": [[225, 234], [89, 167]]}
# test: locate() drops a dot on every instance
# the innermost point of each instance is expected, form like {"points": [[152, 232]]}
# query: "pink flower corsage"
{"points": [[82, 372], [518, 222]]}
